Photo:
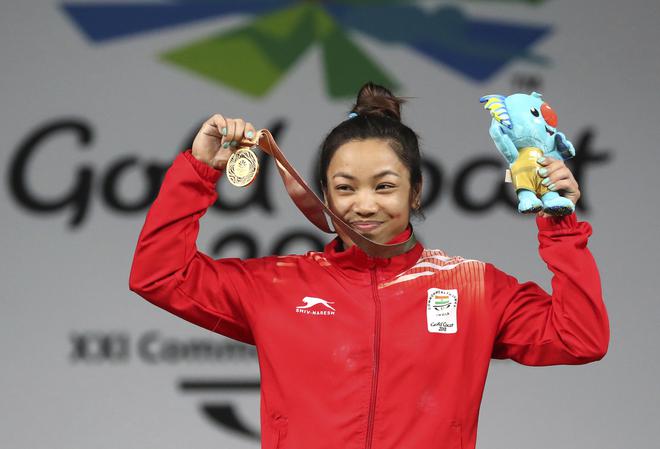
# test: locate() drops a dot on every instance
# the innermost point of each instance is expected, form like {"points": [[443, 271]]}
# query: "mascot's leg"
{"points": [[523, 176], [554, 204], [528, 203]]}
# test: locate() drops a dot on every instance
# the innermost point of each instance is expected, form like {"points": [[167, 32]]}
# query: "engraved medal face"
{"points": [[242, 167]]}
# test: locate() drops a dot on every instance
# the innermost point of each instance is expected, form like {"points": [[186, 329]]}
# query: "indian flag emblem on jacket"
{"points": [[441, 301], [441, 306]]}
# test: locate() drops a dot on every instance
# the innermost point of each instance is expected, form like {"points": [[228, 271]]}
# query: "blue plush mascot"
{"points": [[524, 128]]}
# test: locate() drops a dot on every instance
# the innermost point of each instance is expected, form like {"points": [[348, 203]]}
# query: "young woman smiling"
{"points": [[358, 351]]}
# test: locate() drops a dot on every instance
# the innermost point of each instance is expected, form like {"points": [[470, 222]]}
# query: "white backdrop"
{"points": [[88, 364]]}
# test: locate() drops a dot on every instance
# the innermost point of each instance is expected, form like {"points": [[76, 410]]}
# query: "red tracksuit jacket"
{"points": [[360, 353]]}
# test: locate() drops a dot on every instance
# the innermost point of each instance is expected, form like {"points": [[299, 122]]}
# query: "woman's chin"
{"points": [[370, 234], [376, 237]]}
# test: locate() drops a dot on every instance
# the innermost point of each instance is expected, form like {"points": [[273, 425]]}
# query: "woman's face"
{"points": [[369, 188]]}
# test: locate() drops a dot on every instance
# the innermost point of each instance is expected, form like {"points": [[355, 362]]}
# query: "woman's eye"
{"points": [[534, 112], [385, 186], [343, 187]]}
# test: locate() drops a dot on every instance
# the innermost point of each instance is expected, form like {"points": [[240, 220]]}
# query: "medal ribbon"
{"points": [[316, 211]]}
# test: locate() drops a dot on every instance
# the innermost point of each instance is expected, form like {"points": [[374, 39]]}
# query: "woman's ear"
{"points": [[416, 201]]}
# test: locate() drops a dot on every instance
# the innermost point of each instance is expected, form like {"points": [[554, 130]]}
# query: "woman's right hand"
{"points": [[219, 137]]}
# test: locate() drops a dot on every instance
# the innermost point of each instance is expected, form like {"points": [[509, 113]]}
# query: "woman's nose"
{"points": [[365, 204]]}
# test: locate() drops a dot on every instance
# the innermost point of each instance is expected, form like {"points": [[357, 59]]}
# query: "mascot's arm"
{"points": [[503, 142], [564, 146]]}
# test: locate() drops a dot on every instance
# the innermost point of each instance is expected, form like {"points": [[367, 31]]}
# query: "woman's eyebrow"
{"points": [[377, 175], [386, 172]]}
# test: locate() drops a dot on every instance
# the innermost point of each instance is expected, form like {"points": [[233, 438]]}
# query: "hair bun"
{"points": [[374, 99]]}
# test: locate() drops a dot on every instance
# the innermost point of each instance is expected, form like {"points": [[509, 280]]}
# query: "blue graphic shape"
{"points": [[475, 48], [105, 21]]}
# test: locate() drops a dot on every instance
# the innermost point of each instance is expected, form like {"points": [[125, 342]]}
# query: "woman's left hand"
{"points": [[561, 179]]}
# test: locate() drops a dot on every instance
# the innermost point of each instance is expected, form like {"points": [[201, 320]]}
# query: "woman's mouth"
{"points": [[365, 225]]}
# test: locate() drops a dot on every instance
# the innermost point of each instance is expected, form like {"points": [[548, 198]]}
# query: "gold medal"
{"points": [[242, 167]]}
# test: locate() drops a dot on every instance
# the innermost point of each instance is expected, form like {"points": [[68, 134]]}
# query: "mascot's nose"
{"points": [[549, 115]]}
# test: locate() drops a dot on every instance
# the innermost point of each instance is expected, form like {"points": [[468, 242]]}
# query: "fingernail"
{"points": [[225, 145], [543, 171], [224, 131], [551, 187], [249, 134], [541, 159], [234, 143], [545, 181]]}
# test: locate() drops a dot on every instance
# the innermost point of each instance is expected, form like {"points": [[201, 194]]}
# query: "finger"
{"points": [[561, 179], [567, 185], [238, 132], [554, 165], [209, 129], [558, 172], [550, 167], [217, 123], [545, 160], [231, 128], [556, 176], [212, 131], [250, 132]]}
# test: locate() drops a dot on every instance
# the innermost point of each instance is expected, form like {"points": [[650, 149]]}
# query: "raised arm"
{"points": [[570, 326], [170, 272]]}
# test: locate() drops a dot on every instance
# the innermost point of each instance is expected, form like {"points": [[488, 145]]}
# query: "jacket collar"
{"points": [[354, 259]]}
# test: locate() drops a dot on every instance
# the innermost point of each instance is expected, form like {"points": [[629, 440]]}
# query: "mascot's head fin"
{"points": [[495, 104]]}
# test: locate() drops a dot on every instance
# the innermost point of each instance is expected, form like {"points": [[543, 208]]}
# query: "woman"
{"points": [[363, 352]]}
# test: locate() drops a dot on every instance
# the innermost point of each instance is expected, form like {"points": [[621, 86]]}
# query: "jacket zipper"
{"points": [[374, 376]]}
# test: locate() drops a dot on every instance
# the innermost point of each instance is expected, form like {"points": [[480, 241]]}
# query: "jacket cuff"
{"points": [[556, 223], [205, 171]]}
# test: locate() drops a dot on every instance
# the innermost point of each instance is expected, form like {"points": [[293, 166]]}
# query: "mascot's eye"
{"points": [[534, 112], [549, 115]]}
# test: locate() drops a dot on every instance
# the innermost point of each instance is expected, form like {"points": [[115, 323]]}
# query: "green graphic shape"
{"points": [[255, 57], [346, 66], [251, 58]]}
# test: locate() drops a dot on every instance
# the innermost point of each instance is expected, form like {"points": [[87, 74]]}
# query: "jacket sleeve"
{"points": [[171, 273], [568, 327]]}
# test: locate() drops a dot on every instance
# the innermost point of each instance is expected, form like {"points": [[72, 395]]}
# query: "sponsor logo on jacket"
{"points": [[315, 306]]}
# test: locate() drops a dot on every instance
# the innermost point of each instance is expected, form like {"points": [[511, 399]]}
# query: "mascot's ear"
{"points": [[537, 95], [497, 107]]}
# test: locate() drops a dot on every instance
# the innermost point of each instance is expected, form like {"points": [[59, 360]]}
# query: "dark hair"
{"points": [[378, 116]]}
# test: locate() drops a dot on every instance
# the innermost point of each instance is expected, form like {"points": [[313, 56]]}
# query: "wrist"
{"points": [[200, 158], [205, 171], [549, 222]]}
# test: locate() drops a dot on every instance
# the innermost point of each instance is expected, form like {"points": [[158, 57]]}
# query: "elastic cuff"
{"points": [[553, 223], [205, 171]]}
